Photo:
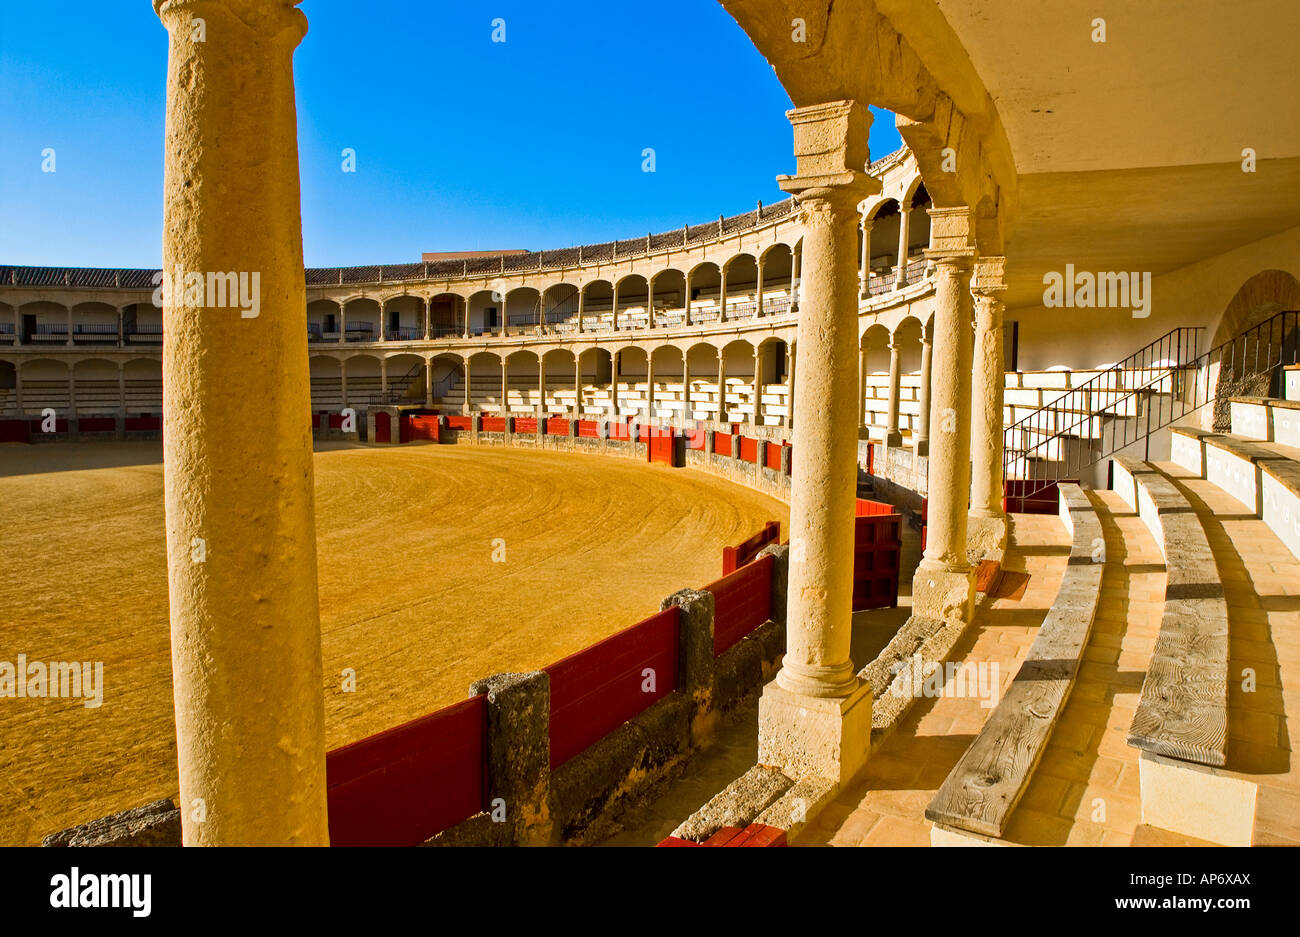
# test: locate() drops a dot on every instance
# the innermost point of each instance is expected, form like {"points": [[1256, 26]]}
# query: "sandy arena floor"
{"points": [[410, 596]]}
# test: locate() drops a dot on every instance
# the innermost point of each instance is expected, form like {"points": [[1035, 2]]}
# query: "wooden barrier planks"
{"points": [[741, 602], [735, 557], [601, 687], [401, 786]]}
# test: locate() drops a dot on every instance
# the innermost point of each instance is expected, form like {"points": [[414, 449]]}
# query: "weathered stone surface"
{"points": [[519, 751], [739, 804], [155, 824]]}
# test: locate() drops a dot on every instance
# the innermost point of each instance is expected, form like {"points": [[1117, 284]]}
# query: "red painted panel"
{"points": [[315, 421], [461, 424], [741, 602], [60, 426], [587, 429], [383, 428], [557, 426], [596, 690], [96, 424], [143, 423], [877, 551], [621, 431], [722, 443], [492, 424], [423, 426], [735, 557], [13, 431], [772, 456], [526, 424], [1046, 500], [403, 785], [661, 446], [748, 449], [695, 439], [868, 508]]}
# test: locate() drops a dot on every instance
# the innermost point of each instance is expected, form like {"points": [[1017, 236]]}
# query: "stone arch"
{"points": [[1246, 347]]}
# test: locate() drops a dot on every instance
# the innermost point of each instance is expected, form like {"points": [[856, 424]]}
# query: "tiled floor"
{"points": [[886, 806]]}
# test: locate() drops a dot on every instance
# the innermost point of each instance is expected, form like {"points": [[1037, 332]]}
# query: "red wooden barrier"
{"points": [[399, 787], [772, 456], [748, 449], [695, 439], [423, 426], [722, 443], [14, 431], [741, 602], [492, 424], [96, 424], [596, 690], [526, 424], [587, 429], [742, 553], [1044, 501], [557, 426], [661, 445], [620, 431], [135, 424], [383, 428], [460, 424], [315, 421], [877, 551], [60, 426]]}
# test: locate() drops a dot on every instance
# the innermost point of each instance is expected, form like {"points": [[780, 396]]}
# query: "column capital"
{"points": [[989, 277], [270, 19], [830, 150], [952, 239]]}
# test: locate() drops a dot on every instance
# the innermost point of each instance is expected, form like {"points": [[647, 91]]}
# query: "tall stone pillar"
{"points": [[756, 418], [383, 324], [758, 291], [241, 543], [794, 279], [792, 358], [343, 320], [722, 412], [862, 390], [815, 718], [893, 436], [577, 384], [428, 317], [428, 382], [904, 219], [987, 524], [465, 331], [650, 302], [864, 271], [582, 303], [467, 406], [944, 585], [688, 415], [541, 385], [722, 293], [650, 387], [505, 387], [922, 441], [613, 309], [68, 340], [688, 299]]}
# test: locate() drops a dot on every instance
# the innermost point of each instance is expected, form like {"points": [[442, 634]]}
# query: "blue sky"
{"points": [[461, 143]]}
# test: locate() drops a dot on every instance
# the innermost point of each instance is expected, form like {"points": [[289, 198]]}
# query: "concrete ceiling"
{"points": [[1128, 153]]}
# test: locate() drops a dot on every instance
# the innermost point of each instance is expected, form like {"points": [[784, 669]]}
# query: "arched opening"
{"points": [[446, 315], [742, 286], [1252, 340], [670, 297], [702, 362], [705, 291], [326, 374], [632, 298], [361, 318], [669, 403], [323, 320]]}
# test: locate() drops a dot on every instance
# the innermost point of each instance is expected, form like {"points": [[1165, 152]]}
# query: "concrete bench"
{"points": [[1267, 419], [988, 781], [1227, 460]]}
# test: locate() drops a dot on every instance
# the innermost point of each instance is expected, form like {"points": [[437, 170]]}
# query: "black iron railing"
{"points": [[1153, 388]]}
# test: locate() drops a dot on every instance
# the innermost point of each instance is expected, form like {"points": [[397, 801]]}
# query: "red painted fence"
{"points": [[383, 428], [748, 449], [722, 443], [742, 553], [772, 456], [741, 602], [399, 787], [492, 424], [460, 424], [420, 426], [621, 431], [557, 426], [598, 689], [588, 429], [526, 425], [662, 446]]}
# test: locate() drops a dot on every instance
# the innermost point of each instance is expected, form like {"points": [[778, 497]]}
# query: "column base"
{"points": [[943, 593], [921, 447], [986, 535], [894, 439], [814, 737]]}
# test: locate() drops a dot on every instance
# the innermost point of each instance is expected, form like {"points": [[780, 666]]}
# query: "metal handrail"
{"points": [[1179, 388]]}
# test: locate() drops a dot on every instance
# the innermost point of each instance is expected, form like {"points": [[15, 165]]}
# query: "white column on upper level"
{"points": [[904, 220], [758, 293], [864, 270]]}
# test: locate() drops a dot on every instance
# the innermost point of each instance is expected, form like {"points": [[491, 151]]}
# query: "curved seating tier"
{"points": [[988, 781]]}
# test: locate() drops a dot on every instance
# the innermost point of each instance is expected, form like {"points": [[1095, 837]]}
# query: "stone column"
{"points": [[721, 413], [904, 219], [428, 318], [758, 292], [791, 358], [650, 387], [19, 407], [688, 298], [505, 387], [467, 407], [383, 324], [72, 390], [864, 271], [922, 440], [383, 379], [241, 544], [343, 321], [502, 325], [794, 279], [582, 302], [121, 334], [69, 342], [987, 524], [894, 437], [688, 415], [577, 384], [650, 302], [756, 418], [862, 391], [613, 309], [722, 293], [541, 385], [428, 382], [613, 385], [121, 389], [465, 333], [815, 718], [944, 585]]}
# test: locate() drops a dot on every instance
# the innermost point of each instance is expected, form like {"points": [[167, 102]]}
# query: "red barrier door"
{"points": [[877, 549], [662, 446], [383, 428]]}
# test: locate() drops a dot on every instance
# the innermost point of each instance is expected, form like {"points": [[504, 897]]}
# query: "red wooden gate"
{"points": [[663, 446], [877, 549], [383, 428]]}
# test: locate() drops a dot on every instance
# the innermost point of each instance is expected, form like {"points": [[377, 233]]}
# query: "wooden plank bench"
{"points": [[988, 781], [1183, 709]]}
